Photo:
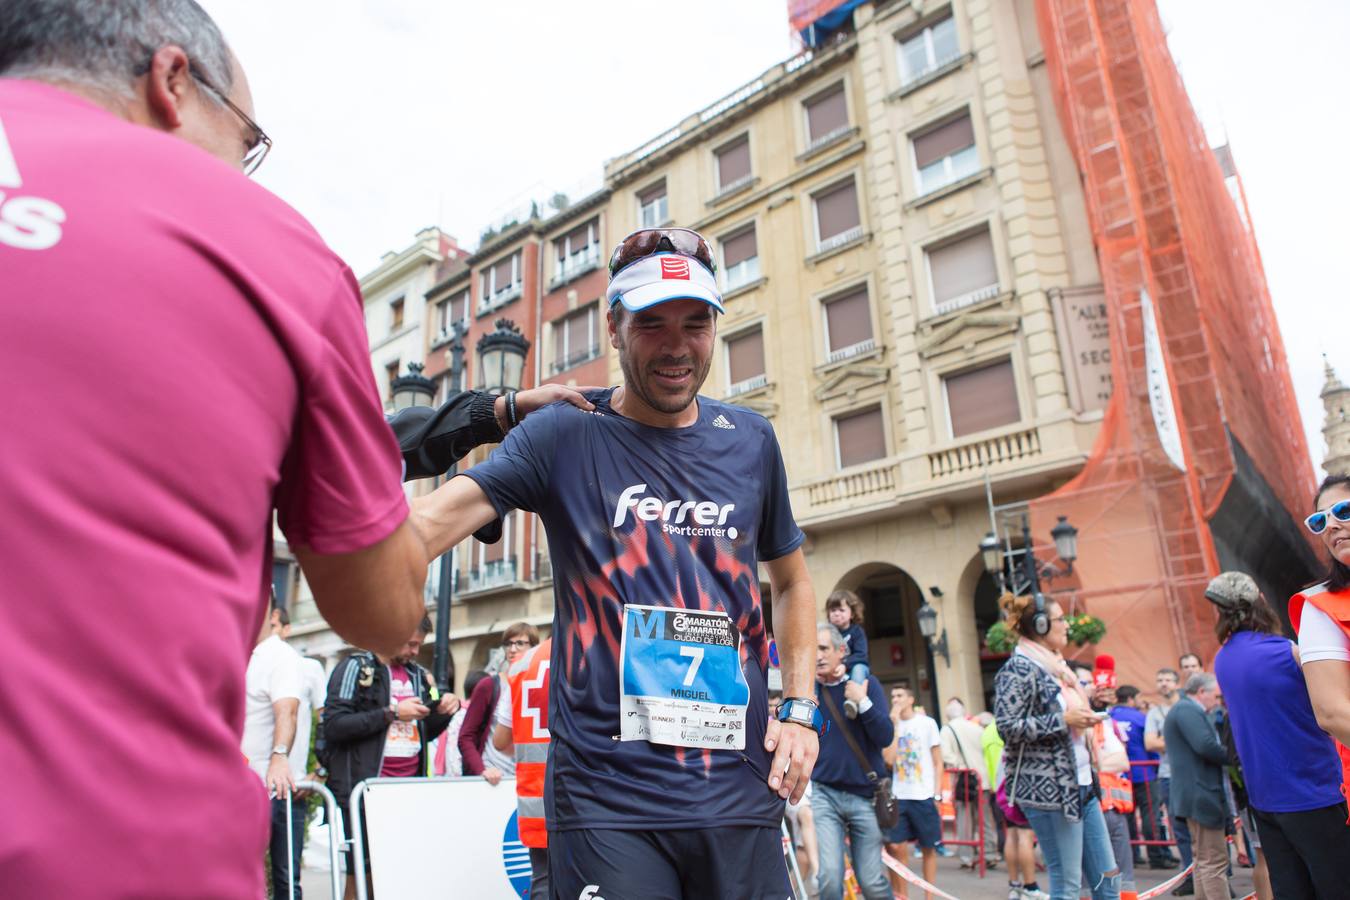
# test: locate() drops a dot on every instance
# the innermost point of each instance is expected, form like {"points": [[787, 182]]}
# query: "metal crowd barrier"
{"points": [[1161, 824], [977, 840], [335, 838]]}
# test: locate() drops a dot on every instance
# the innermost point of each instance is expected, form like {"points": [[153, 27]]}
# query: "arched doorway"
{"points": [[897, 653]]}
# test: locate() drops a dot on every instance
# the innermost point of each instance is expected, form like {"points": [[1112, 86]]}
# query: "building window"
{"points": [[837, 218], [859, 437], [578, 251], [500, 283], [733, 164], [963, 271], [945, 155], [454, 308], [982, 398], [653, 210], [848, 325], [390, 373], [928, 51], [826, 116], [740, 259], [396, 314], [495, 564], [745, 362], [284, 578], [574, 338]]}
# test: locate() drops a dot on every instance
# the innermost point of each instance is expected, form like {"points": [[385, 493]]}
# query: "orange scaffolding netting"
{"points": [[1169, 236]]}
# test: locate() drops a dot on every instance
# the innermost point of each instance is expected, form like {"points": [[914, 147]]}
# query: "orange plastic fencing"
{"points": [[1163, 223]]}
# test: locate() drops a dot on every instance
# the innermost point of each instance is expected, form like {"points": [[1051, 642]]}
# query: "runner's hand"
{"points": [[279, 780], [528, 401], [492, 775], [794, 748], [411, 708]]}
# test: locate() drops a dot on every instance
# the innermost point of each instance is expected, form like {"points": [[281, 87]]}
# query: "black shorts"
{"points": [[349, 854], [733, 862]]}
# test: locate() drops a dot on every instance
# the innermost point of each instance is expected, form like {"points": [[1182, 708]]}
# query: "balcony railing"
{"points": [[499, 299], [969, 299], [493, 574], [851, 350], [575, 266], [743, 273], [870, 483], [840, 239], [748, 385], [975, 456], [574, 359], [949, 170]]}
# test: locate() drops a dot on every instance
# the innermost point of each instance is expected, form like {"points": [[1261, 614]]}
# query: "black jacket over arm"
{"points": [[433, 440]]}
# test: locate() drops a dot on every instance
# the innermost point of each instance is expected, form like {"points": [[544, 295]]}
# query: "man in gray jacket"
{"points": [[1197, 794]]}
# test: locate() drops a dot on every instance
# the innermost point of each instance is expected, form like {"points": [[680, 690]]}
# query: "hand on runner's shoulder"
{"points": [[528, 401]]}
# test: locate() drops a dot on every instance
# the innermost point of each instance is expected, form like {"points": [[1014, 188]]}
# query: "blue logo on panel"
{"points": [[516, 859]]}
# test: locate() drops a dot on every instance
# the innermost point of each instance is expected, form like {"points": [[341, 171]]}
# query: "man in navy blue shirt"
{"points": [[841, 797], [666, 774], [1143, 778]]}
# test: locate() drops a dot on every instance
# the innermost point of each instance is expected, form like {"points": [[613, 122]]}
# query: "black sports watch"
{"points": [[801, 711]]}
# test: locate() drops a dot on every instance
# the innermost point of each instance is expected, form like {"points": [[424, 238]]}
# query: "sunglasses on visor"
{"points": [[1318, 521], [641, 244]]}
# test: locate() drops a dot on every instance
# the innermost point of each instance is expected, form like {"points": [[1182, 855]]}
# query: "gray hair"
{"points": [[107, 43], [1199, 682], [836, 636]]}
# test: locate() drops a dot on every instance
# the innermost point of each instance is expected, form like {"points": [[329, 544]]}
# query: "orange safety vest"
{"points": [[529, 730], [1337, 605], [1117, 792]]}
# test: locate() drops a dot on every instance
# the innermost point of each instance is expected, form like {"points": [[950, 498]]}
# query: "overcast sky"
{"points": [[392, 115]]}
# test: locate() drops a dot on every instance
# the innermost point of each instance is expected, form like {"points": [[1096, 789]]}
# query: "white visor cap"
{"points": [[656, 279]]}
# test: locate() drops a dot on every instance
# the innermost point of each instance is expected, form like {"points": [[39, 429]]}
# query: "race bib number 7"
{"points": [[680, 678]]}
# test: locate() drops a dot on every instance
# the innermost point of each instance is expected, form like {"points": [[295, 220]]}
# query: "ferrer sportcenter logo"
{"points": [[686, 518]]}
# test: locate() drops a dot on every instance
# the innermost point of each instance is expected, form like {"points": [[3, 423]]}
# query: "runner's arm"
{"points": [[371, 597], [794, 614], [1329, 690], [447, 516], [794, 617]]}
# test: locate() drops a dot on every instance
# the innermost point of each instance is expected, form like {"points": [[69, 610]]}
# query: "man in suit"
{"points": [[1197, 796]]}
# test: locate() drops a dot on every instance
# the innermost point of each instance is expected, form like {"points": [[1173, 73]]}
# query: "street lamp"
{"points": [[927, 616], [440, 660], [992, 552], [501, 358], [412, 389], [1066, 542]]}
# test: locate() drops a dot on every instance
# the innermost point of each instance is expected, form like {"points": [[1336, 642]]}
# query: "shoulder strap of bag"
{"points": [[848, 736], [965, 763]]}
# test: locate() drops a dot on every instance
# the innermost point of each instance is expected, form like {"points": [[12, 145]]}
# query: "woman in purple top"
{"points": [[1292, 770]]}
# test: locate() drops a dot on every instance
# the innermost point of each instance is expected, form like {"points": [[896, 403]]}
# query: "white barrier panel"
{"points": [[466, 822]]}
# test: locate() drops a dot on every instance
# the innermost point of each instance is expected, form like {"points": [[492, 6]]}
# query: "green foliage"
{"points": [[1085, 629], [1000, 638]]}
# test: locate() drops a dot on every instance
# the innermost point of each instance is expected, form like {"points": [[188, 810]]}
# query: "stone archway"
{"points": [[891, 597]]}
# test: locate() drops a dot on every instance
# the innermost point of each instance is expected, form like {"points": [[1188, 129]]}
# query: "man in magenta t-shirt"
{"points": [[181, 354]]}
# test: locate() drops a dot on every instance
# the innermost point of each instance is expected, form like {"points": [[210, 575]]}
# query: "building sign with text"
{"points": [[1085, 343]]}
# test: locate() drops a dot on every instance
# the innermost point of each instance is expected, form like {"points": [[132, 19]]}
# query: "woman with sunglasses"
{"points": [[1321, 615]]}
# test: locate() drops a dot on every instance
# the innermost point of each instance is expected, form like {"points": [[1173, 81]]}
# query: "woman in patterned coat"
{"points": [[1045, 717]]}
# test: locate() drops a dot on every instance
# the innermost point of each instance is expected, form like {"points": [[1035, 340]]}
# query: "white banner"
{"points": [[1160, 387], [464, 822]]}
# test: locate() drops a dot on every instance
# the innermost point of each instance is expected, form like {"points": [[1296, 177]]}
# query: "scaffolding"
{"points": [[1196, 350]]}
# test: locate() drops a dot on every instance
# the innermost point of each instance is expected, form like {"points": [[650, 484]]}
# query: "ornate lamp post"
{"points": [[412, 389]]}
